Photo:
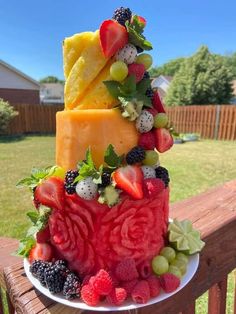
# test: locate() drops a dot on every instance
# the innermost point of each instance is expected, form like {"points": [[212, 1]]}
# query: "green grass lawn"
{"points": [[193, 167]]}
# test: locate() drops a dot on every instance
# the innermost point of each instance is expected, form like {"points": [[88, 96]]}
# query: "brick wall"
{"points": [[20, 96]]}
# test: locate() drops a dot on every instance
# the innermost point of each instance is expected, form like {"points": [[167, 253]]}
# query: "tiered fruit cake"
{"points": [[101, 222]]}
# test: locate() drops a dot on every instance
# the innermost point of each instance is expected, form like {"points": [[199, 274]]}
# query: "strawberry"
{"points": [[41, 251], [157, 103], [51, 193], [138, 70], [113, 37], [169, 282], [153, 111], [130, 179], [142, 20], [147, 140], [43, 235], [164, 140]]}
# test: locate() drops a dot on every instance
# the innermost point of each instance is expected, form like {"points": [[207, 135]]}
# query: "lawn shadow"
{"points": [[11, 138]]}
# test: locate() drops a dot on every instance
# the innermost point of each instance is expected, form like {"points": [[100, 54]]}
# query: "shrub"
{"points": [[7, 113]]}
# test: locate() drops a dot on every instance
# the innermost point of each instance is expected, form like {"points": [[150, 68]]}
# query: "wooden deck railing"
{"points": [[214, 214]]}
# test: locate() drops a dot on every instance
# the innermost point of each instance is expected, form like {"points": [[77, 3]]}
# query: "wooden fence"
{"points": [[212, 121]]}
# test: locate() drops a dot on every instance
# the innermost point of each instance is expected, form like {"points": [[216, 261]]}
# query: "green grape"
{"points": [[145, 59], [182, 257], [175, 271], [119, 71], [59, 172], [151, 158], [160, 120], [160, 265], [181, 265], [168, 253]]}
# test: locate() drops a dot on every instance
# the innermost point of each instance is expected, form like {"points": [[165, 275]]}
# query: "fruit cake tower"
{"points": [[104, 208]]}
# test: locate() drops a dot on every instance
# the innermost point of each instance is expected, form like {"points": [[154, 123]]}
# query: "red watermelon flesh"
{"points": [[91, 236]]}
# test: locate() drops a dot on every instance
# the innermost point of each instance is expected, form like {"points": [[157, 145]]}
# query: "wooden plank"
{"points": [[217, 297], [235, 292], [190, 309]]}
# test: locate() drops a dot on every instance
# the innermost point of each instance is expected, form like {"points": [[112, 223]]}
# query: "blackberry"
{"points": [[149, 92], [121, 15], [72, 286], [139, 49], [40, 272], [106, 179], [35, 266], [136, 154], [55, 277], [163, 174], [69, 181], [146, 75]]}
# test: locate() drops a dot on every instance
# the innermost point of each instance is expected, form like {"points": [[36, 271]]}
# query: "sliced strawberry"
{"points": [[51, 193], [41, 251], [43, 235], [138, 70], [157, 103], [130, 179], [164, 140], [113, 37]]}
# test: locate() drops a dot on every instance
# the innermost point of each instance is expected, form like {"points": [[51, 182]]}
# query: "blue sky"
{"points": [[31, 32]]}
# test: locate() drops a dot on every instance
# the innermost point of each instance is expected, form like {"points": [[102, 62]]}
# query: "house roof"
{"points": [[25, 76]]}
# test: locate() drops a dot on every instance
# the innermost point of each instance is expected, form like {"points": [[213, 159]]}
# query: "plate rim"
{"points": [[193, 262]]}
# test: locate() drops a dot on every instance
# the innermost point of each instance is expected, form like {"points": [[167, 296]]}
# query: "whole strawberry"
{"points": [[137, 70], [147, 140]]}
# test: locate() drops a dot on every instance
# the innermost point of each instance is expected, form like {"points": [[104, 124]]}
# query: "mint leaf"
{"points": [[113, 88], [136, 24], [146, 100], [111, 158], [143, 85], [25, 246], [33, 216], [129, 86]]}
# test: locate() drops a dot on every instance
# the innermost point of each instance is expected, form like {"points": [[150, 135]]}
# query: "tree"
{"points": [[51, 79], [7, 113], [230, 62], [169, 68], [202, 79]]}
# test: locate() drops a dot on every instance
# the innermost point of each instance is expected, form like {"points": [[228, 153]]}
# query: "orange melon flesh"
{"points": [[95, 128]]}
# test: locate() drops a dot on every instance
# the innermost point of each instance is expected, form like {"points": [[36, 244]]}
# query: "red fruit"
{"points": [[138, 70], [153, 111], [153, 186], [113, 36], [145, 269], [51, 193], [102, 283], [142, 20], [130, 179], [126, 270], [164, 140], [157, 103], [41, 251], [147, 140], [154, 286], [169, 282], [117, 296], [89, 296], [141, 292], [43, 235], [129, 285]]}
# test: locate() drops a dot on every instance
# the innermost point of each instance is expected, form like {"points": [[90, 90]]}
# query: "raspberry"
{"points": [[138, 70], [153, 186], [121, 15], [141, 292], [163, 174], [135, 155], [86, 280], [169, 282], [69, 181], [129, 285], [126, 270], [147, 141], [102, 283], [115, 281], [154, 286], [117, 296], [89, 296], [145, 270]]}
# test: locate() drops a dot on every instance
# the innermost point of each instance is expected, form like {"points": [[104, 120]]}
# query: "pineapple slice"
{"points": [[72, 49], [97, 95], [84, 71]]}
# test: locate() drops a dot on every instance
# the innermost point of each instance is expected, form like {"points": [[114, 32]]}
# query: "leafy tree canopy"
{"points": [[169, 68], [202, 79], [51, 79]]}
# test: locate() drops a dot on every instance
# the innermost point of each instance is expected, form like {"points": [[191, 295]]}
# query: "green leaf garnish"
{"points": [[113, 88], [129, 87], [25, 246], [143, 85], [111, 158], [135, 32]]}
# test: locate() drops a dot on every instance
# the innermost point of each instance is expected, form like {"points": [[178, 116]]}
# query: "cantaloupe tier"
{"points": [[76, 130], [91, 236]]}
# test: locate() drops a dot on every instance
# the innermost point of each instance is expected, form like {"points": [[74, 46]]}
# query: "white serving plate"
{"points": [[128, 305]]}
